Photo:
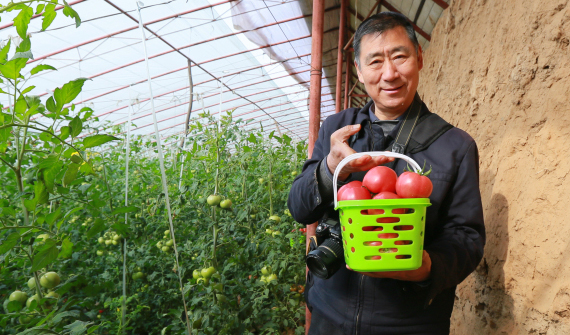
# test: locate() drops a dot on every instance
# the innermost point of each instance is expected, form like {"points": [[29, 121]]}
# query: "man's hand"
{"points": [[340, 149], [417, 275]]}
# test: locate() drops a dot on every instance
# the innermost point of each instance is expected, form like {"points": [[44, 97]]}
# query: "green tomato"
{"points": [[276, 233], [261, 180], [24, 319], [101, 240], [263, 279], [115, 242], [167, 232], [268, 231], [32, 283], [214, 200], [50, 280], [221, 298], [100, 252], [271, 277], [32, 298], [293, 173], [169, 243], [108, 242], [266, 270], [208, 272], [18, 296], [138, 275], [226, 204], [275, 218], [159, 244], [117, 237], [196, 274], [165, 248], [252, 216], [202, 280]]}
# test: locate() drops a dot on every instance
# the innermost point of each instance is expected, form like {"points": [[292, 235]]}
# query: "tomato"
{"points": [[271, 277], [169, 243], [376, 257], [202, 280], [383, 195], [165, 248], [380, 179], [293, 288], [275, 218], [50, 280], [24, 319], [266, 270], [138, 275], [18, 296], [388, 235], [352, 184], [355, 193], [166, 232], [32, 283], [225, 204], [414, 185], [32, 298], [196, 274], [214, 200], [276, 233], [100, 311], [293, 173], [208, 272], [100, 252], [300, 288], [101, 240], [373, 243]]}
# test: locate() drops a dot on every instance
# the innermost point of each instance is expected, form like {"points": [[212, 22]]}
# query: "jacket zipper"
{"points": [[359, 307]]}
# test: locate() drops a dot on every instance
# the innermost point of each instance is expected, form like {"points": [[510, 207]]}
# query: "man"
{"points": [[388, 59]]}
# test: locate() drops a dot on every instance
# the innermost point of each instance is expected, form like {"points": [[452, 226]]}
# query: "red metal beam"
{"points": [[441, 3], [38, 15], [125, 30], [360, 18], [347, 73], [419, 30], [341, 33]]}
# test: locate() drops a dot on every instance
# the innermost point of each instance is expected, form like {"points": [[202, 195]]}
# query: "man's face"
{"points": [[389, 69]]}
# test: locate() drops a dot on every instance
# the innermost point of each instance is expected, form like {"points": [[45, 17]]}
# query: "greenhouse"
{"points": [[334, 167]]}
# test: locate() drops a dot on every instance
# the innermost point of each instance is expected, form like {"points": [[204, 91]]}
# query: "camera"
{"points": [[326, 251]]}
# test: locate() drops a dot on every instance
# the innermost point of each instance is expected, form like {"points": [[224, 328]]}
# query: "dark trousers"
{"points": [[320, 325]]}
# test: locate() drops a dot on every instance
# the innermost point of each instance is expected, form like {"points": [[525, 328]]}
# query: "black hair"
{"points": [[380, 23]]}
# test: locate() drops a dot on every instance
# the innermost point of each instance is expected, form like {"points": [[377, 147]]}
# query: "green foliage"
{"points": [[62, 210]]}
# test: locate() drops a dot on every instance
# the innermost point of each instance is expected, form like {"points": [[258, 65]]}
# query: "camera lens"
{"points": [[324, 261]]}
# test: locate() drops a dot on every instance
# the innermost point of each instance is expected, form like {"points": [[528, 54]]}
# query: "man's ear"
{"points": [[360, 79], [420, 58]]}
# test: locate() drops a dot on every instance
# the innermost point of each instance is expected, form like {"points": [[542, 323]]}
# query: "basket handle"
{"points": [[349, 158]]}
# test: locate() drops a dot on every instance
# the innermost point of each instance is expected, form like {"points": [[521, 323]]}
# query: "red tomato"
{"points": [[386, 195], [376, 257], [387, 235], [373, 243], [380, 179], [352, 184], [355, 193], [413, 185]]}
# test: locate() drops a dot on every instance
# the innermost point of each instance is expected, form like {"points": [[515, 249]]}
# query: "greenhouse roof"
{"points": [[253, 56]]}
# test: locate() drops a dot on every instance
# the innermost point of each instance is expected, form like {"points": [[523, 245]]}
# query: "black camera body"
{"points": [[326, 251]]}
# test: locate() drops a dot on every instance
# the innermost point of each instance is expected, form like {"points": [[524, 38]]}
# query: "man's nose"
{"points": [[389, 72]]}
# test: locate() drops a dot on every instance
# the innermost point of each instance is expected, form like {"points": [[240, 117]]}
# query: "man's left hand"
{"points": [[421, 274]]}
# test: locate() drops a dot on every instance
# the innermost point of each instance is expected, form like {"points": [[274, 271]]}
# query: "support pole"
{"points": [[341, 33], [347, 76], [315, 99]]}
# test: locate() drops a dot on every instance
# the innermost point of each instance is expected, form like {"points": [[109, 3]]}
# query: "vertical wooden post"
{"points": [[341, 34], [315, 98]]}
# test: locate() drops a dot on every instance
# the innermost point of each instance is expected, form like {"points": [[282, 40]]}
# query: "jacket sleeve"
{"points": [[311, 193], [458, 247]]}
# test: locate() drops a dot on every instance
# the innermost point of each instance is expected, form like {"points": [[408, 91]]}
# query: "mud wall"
{"points": [[501, 71]]}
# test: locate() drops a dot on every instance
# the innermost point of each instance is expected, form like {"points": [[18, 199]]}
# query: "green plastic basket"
{"points": [[382, 235]]}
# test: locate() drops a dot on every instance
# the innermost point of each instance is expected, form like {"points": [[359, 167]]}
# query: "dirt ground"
{"points": [[501, 71]]}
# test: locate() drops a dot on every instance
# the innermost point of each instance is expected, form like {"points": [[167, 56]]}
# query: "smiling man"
{"points": [[388, 59]]}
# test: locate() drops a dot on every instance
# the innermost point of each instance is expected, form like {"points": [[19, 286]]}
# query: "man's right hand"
{"points": [[340, 150]]}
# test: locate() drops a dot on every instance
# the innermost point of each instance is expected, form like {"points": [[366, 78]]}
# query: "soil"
{"points": [[500, 70]]}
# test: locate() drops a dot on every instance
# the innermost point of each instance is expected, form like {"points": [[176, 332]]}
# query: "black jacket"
{"points": [[454, 236]]}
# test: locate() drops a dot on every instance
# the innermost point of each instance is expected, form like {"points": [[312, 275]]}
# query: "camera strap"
{"points": [[405, 133]]}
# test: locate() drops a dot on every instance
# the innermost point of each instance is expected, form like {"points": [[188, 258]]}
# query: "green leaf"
{"points": [[97, 227], [30, 204], [13, 67], [24, 46], [20, 106], [14, 306], [47, 254], [42, 67], [9, 243], [41, 194], [70, 174], [66, 249], [24, 55], [123, 210], [29, 88], [50, 174], [76, 126], [22, 20], [68, 92], [40, 8], [70, 12], [252, 138], [49, 15], [97, 140], [121, 228], [65, 130], [50, 105], [78, 327], [51, 217], [4, 52]]}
